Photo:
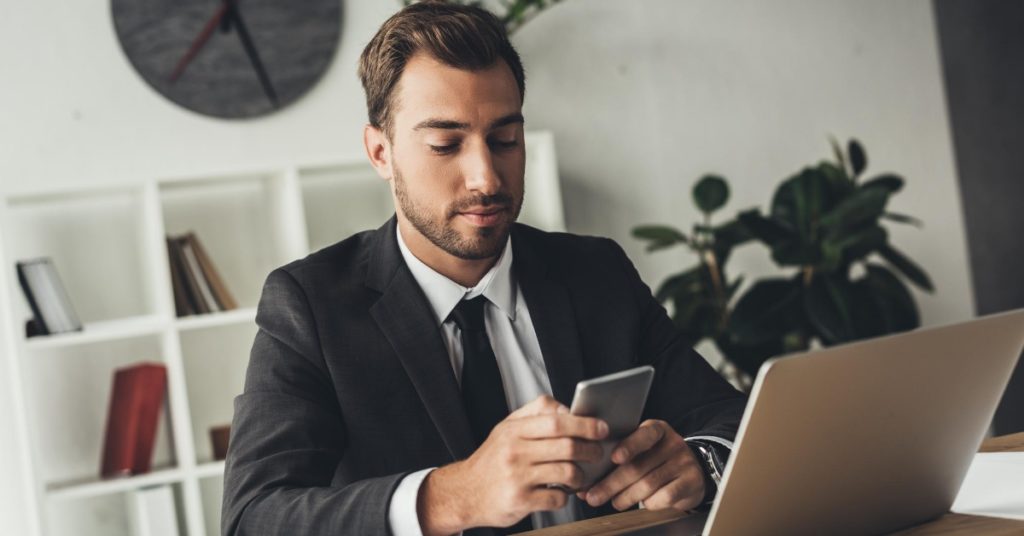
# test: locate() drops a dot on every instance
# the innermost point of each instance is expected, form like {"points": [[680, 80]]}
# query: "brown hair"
{"points": [[461, 36]]}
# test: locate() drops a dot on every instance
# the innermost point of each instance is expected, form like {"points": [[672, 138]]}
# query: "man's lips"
{"points": [[483, 216]]}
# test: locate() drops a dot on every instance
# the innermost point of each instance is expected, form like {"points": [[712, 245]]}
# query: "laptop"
{"points": [[863, 438]]}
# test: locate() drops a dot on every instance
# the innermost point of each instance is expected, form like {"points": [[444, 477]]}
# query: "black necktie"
{"points": [[482, 392]]}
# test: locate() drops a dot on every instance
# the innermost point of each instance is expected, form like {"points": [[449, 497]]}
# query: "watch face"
{"points": [[229, 58]]}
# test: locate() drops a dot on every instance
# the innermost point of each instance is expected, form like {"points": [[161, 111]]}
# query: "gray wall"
{"points": [[983, 58]]}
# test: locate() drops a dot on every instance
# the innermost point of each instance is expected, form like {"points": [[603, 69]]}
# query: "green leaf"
{"points": [[765, 312], [861, 243], [688, 282], [863, 207], [888, 182], [749, 358], [903, 218], [768, 230], [858, 158], [801, 199], [796, 253], [661, 236], [829, 310], [837, 151], [907, 267], [892, 307], [710, 193], [728, 236], [839, 184]]}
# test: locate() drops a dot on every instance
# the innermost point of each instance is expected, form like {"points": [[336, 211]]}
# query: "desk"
{"points": [[948, 524]]}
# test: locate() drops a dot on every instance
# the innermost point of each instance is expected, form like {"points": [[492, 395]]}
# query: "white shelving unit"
{"points": [[108, 245]]}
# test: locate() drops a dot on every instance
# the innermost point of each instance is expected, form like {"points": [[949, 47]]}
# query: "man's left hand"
{"points": [[656, 466]]}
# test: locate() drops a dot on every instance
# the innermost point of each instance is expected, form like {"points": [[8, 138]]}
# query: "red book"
{"points": [[135, 406]]}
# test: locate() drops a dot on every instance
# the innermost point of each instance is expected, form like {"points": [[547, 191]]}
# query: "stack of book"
{"points": [[51, 309], [198, 287]]}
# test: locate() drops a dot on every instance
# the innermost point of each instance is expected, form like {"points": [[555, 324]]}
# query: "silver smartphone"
{"points": [[618, 399]]}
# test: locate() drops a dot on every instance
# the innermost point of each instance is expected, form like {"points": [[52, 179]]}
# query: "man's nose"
{"points": [[479, 171]]}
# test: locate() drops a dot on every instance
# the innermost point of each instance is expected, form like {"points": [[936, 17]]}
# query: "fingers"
{"points": [[567, 474], [562, 449], [641, 440], [683, 493], [561, 425], [541, 405], [547, 499], [650, 484], [623, 477]]}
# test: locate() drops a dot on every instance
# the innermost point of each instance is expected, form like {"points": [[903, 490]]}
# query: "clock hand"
{"points": [[250, 50], [198, 42]]}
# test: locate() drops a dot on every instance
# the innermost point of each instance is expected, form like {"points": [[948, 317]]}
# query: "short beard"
{"points": [[489, 241]]}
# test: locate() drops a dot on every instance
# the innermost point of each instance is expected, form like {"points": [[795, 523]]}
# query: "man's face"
{"points": [[457, 155]]}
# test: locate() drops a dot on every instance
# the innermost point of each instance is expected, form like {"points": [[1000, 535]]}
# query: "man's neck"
{"points": [[463, 271]]}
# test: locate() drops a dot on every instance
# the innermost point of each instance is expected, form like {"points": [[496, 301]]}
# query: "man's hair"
{"points": [[461, 36]]}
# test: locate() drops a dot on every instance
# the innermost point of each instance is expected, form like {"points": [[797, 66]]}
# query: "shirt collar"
{"points": [[444, 294]]}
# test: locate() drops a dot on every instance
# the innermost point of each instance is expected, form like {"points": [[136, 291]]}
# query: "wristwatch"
{"points": [[711, 464]]}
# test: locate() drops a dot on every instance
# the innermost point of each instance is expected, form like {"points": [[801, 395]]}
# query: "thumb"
{"points": [[542, 405]]}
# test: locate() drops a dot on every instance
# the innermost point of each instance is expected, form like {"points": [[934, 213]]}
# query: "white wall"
{"points": [[643, 97]]}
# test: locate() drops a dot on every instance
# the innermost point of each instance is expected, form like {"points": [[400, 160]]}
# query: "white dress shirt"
{"points": [[516, 348]]}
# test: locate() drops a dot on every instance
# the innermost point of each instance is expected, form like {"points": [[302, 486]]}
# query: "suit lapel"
{"points": [[554, 319], [404, 316]]}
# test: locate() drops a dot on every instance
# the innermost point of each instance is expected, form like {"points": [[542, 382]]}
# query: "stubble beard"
{"points": [[488, 242]]}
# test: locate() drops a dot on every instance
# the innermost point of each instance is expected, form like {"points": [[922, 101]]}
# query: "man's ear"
{"points": [[378, 150]]}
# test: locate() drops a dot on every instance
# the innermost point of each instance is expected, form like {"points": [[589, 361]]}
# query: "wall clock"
{"points": [[229, 58]]}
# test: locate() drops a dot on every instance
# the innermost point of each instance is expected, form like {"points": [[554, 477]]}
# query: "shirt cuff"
{"points": [[402, 516]]}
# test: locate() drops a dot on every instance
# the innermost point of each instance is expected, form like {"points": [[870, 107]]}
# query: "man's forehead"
{"points": [[431, 94]]}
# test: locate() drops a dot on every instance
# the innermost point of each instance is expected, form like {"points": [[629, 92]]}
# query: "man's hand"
{"points": [[505, 479], [655, 466]]}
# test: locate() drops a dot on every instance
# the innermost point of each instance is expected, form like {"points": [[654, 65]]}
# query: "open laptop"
{"points": [[864, 438]]}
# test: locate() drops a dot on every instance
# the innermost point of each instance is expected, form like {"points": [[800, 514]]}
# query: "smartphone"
{"points": [[618, 399]]}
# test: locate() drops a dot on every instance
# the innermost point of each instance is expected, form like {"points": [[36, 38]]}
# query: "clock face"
{"points": [[229, 58]]}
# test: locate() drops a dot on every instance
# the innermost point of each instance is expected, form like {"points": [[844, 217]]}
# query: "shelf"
{"points": [[107, 330], [94, 487], [210, 469], [209, 320]]}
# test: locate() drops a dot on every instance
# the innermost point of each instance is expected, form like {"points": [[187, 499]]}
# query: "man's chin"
{"points": [[482, 242]]}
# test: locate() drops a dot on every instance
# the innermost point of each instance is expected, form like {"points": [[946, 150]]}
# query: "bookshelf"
{"points": [[107, 242]]}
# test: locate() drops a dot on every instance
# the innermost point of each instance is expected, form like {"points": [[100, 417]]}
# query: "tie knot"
{"points": [[469, 314]]}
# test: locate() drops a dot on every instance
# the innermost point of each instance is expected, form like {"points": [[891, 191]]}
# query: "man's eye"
{"points": [[444, 149], [504, 144]]}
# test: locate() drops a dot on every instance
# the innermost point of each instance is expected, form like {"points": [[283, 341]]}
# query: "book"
{"points": [[220, 436], [183, 305], [136, 400], [220, 291], [195, 271], [197, 284], [189, 277], [153, 511], [51, 308]]}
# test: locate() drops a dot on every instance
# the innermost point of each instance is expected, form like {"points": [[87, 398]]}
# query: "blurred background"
{"points": [[637, 99]]}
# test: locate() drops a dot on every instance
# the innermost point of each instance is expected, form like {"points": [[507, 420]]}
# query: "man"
{"points": [[416, 378]]}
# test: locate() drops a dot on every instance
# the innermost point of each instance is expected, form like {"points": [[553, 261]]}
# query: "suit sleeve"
{"points": [[288, 435], [687, 392]]}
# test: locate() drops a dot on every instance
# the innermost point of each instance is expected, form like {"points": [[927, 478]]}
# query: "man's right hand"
{"points": [[506, 478]]}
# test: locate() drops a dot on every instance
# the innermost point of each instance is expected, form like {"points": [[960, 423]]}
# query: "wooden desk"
{"points": [[948, 524]]}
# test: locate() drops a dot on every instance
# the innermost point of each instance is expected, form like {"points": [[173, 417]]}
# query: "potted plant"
{"points": [[842, 280]]}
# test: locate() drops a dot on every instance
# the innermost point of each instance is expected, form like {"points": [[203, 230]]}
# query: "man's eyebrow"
{"points": [[508, 120], [443, 124], [448, 124]]}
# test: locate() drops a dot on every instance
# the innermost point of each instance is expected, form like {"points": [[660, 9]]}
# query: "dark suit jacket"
{"points": [[349, 386]]}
